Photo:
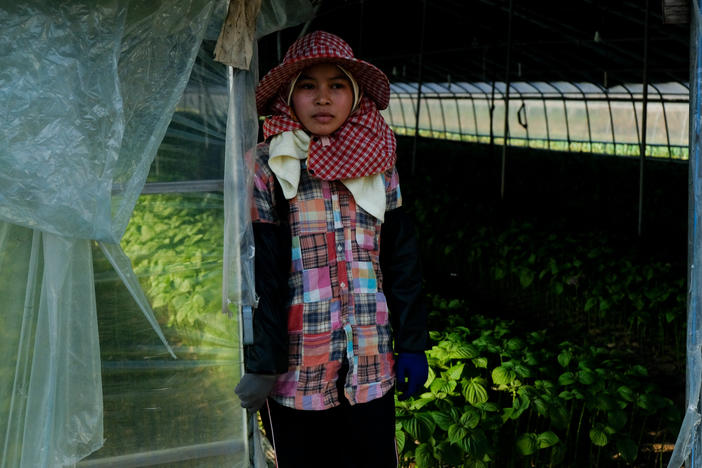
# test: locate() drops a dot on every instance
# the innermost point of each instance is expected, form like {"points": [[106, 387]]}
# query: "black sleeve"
{"points": [[402, 281], [269, 352]]}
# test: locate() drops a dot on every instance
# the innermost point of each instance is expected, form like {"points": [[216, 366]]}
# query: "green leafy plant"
{"points": [[499, 395], [175, 244]]}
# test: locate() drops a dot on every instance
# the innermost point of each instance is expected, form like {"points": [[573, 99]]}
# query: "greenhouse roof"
{"points": [[595, 41], [543, 89]]}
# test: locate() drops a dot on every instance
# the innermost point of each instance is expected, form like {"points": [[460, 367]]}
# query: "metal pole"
{"points": [[644, 112], [687, 445], [507, 85], [359, 48], [419, 88]]}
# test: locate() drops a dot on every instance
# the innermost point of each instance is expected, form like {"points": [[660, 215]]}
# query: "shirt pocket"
{"points": [[308, 216], [313, 251]]}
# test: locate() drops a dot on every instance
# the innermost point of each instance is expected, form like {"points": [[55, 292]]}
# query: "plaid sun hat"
{"points": [[322, 47]]}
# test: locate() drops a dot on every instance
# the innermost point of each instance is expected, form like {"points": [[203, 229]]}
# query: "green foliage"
{"points": [[497, 394], [581, 279], [175, 244]]}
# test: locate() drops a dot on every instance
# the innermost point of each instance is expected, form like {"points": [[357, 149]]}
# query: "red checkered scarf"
{"points": [[364, 145]]}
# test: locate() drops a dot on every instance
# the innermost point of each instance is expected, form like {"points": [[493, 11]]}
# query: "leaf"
{"points": [[515, 344], [474, 392], [442, 385], [449, 454], [427, 423], [626, 393], [590, 303], [424, 455], [628, 449], [489, 407], [566, 378], [522, 371], [604, 304], [519, 404], [159, 300], [464, 351], [470, 419], [558, 288], [442, 419], [617, 419], [456, 433], [507, 414], [431, 377], [638, 370], [454, 372], [435, 335], [502, 376], [605, 402], [586, 377], [415, 428], [526, 277], [480, 362], [598, 437], [541, 406], [564, 357], [526, 444], [400, 439], [422, 401], [546, 439]]}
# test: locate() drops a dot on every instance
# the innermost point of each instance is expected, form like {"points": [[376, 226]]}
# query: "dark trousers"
{"points": [[346, 436]]}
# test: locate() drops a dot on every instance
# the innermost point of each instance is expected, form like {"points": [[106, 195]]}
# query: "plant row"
{"points": [[500, 395], [583, 279]]}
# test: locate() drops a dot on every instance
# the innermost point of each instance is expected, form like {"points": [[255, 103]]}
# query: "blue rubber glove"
{"points": [[411, 370]]}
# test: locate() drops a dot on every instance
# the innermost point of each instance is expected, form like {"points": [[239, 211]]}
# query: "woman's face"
{"points": [[322, 98]]}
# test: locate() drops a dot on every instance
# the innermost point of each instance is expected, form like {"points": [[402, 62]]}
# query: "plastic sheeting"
{"points": [[688, 447], [242, 134], [88, 90], [159, 411], [91, 89], [50, 388]]}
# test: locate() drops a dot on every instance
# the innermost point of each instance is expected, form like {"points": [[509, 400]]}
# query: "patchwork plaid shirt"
{"points": [[336, 307]]}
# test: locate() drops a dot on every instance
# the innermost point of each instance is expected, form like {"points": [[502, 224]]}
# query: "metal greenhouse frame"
{"points": [[562, 115]]}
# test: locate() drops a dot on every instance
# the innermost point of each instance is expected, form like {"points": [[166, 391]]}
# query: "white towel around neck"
{"points": [[287, 149]]}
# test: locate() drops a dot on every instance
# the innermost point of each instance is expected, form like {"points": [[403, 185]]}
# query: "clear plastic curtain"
{"points": [[242, 132], [87, 91], [688, 447]]}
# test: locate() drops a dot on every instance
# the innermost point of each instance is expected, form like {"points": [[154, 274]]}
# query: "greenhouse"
{"points": [[562, 116], [546, 156]]}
